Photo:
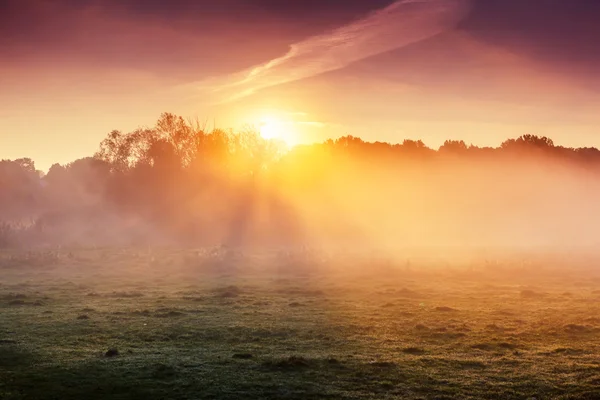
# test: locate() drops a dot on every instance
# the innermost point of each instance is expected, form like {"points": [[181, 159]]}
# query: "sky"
{"points": [[478, 70]]}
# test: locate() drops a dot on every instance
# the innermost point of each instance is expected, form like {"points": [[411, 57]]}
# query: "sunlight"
{"points": [[275, 129]]}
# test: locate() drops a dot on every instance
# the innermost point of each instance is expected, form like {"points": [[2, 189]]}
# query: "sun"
{"points": [[271, 128], [275, 129]]}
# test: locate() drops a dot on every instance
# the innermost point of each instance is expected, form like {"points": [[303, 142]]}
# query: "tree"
{"points": [[20, 188], [528, 141], [454, 147]]}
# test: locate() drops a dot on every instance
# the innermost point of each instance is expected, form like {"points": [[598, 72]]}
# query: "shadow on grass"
{"points": [[26, 376]]}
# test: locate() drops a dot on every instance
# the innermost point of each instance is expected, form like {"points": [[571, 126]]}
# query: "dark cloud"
{"points": [[194, 39], [183, 37], [518, 51], [289, 9], [558, 31]]}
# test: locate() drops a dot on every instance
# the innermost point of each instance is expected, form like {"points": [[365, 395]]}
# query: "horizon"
{"points": [[279, 139], [479, 71]]}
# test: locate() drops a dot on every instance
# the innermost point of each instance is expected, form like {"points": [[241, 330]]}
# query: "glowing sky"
{"points": [[478, 70]]}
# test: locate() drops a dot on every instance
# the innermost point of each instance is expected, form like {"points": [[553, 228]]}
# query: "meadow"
{"points": [[219, 324]]}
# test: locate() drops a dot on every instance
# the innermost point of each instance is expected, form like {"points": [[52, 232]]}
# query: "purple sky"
{"points": [[70, 71]]}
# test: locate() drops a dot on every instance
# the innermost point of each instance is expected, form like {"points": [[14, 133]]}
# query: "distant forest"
{"points": [[178, 183]]}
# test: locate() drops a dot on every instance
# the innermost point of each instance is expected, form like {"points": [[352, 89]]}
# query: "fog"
{"points": [[179, 186], [506, 203]]}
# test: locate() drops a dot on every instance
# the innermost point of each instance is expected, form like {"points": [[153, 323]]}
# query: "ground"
{"points": [[190, 324]]}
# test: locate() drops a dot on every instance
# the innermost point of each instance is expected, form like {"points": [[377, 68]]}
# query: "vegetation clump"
{"points": [[111, 353]]}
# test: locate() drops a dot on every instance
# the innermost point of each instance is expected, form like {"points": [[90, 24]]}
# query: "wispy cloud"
{"points": [[315, 124], [397, 25]]}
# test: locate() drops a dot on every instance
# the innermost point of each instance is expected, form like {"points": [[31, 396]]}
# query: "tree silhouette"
{"points": [[180, 181]]}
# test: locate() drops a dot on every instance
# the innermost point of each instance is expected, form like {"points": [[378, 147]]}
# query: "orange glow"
{"points": [[272, 128], [69, 75]]}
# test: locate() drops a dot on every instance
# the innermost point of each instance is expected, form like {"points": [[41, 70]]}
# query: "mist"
{"points": [[175, 184]]}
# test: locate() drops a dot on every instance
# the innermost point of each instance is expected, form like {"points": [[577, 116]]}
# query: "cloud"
{"points": [[315, 124], [399, 24]]}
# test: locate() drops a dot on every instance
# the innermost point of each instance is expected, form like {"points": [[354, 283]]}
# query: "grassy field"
{"points": [[186, 324]]}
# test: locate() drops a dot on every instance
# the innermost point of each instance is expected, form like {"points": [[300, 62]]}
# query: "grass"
{"points": [[167, 324]]}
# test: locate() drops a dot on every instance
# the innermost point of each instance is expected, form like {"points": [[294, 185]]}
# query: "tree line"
{"points": [[179, 182]]}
